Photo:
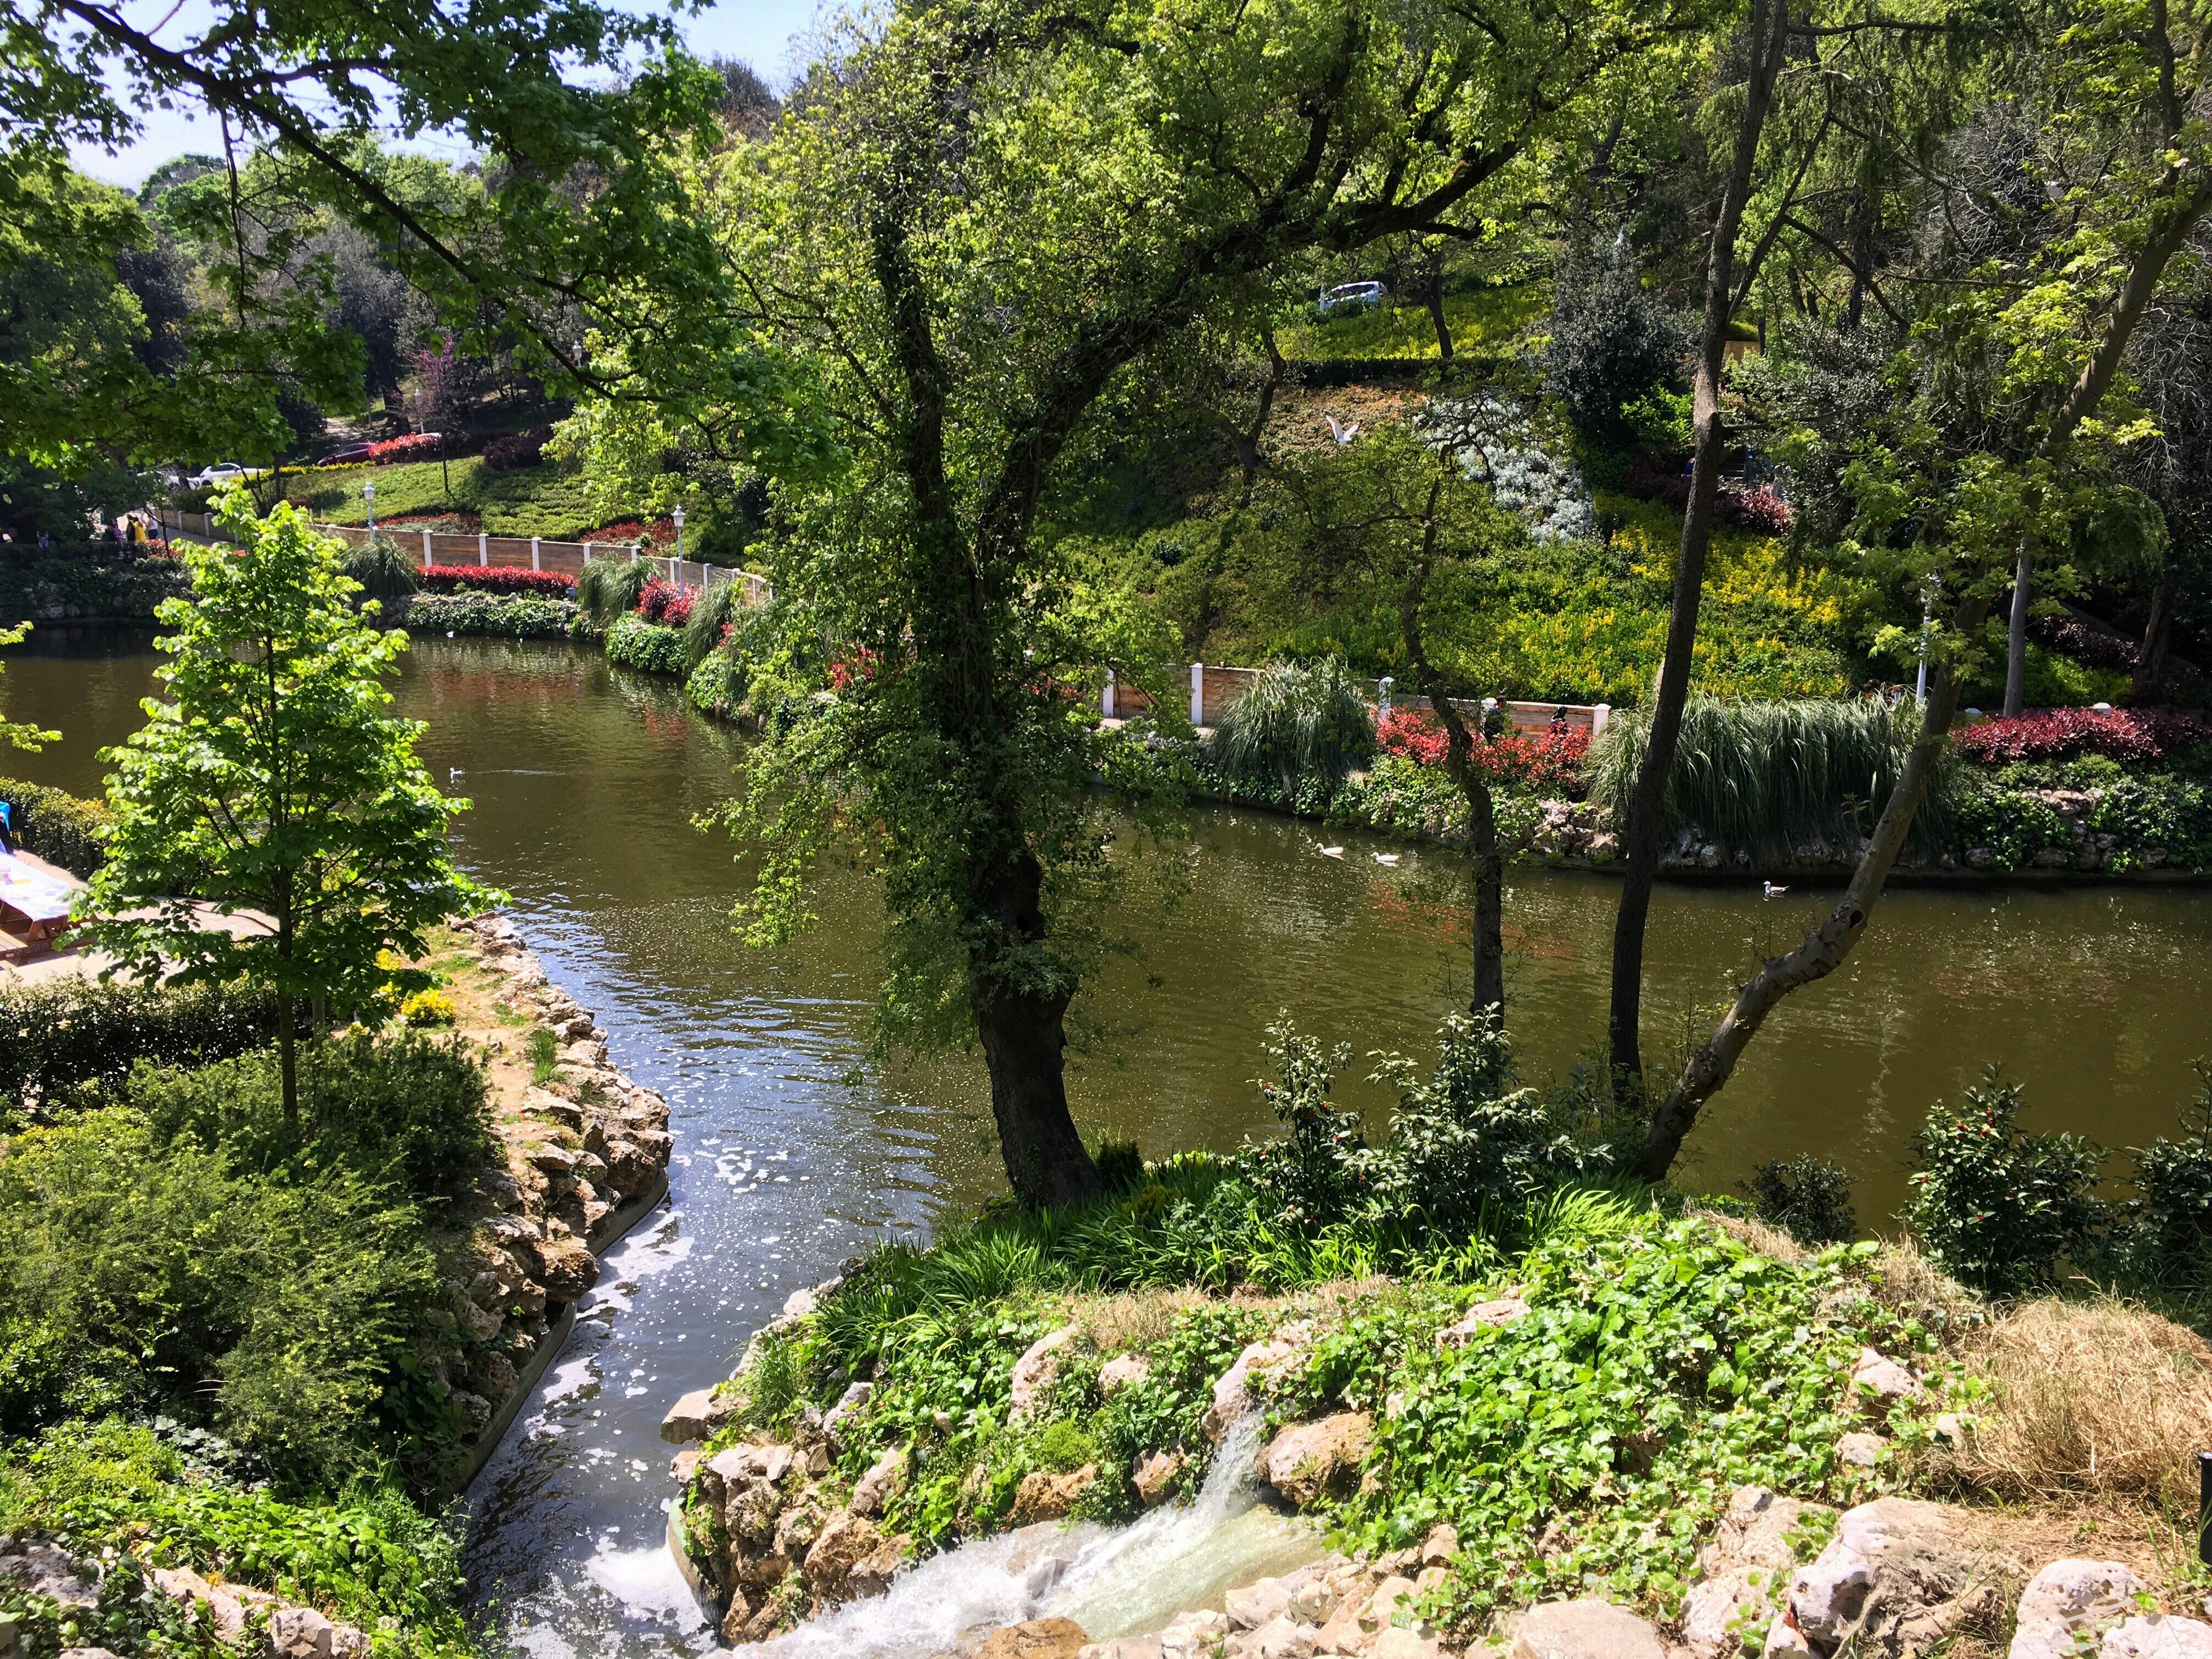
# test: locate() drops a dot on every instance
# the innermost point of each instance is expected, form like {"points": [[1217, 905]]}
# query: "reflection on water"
{"points": [[794, 1146]]}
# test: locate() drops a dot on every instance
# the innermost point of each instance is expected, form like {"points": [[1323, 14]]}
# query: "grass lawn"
{"points": [[545, 500], [1480, 319]]}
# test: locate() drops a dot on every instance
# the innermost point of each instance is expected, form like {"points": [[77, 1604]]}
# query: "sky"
{"points": [[757, 30]]}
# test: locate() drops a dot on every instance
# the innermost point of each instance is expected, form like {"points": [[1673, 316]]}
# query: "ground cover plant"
{"points": [[496, 579], [57, 825], [546, 500], [512, 615]]}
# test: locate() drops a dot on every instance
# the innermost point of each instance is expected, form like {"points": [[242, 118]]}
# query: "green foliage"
{"points": [[1304, 1179], [100, 580], [371, 1558], [1660, 1365], [56, 825], [1611, 341], [1765, 775], [381, 570], [634, 642], [499, 616], [1480, 318], [549, 500], [1999, 1209], [2162, 1237], [545, 1055], [410, 1111], [1809, 1198], [137, 1272], [607, 589], [718, 685], [61, 1033], [721, 607], [130, 1618], [274, 781], [1295, 724]]}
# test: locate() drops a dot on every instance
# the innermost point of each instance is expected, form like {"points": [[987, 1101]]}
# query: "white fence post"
{"points": [[1198, 693], [1106, 698], [534, 565], [426, 550], [483, 549], [587, 552], [633, 554], [1383, 709], [1599, 716]]}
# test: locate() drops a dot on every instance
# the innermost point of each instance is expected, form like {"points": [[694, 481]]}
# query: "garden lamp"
{"points": [[678, 516], [368, 495]]}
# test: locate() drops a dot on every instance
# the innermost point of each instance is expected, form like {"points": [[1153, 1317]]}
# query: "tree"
{"points": [[275, 783], [976, 234]]}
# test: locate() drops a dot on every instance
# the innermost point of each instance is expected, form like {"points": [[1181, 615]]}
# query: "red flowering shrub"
{"points": [[659, 602], [1550, 759], [1761, 510], [2084, 643], [2122, 734], [415, 447], [511, 452], [496, 579]]}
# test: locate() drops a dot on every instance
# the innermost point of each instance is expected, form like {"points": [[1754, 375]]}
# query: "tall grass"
{"points": [[1763, 776], [711, 612], [607, 588], [384, 572], [1296, 722]]}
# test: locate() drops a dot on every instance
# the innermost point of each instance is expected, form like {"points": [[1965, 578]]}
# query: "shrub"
{"points": [[135, 1273], [1734, 502], [1306, 1178], [2085, 644], [663, 604], [412, 446], [2163, 1235], [57, 825], [427, 1009], [512, 451], [514, 617], [384, 572], [606, 588], [1998, 1209], [410, 1110], [636, 643], [1809, 1198], [56, 1035], [1760, 775], [2122, 734], [1552, 759], [1610, 339], [496, 579], [1295, 723]]}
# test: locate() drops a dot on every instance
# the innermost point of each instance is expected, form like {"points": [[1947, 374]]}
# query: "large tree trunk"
{"points": [[1022, 1027], [2158, 631], [1642, 834], [2023, 589], [1436, 303]]}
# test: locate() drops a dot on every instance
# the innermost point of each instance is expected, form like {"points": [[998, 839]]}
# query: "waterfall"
{"points": [[1113, 1581]]}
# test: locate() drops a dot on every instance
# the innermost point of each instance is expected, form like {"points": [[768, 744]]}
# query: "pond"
{"points": [[794, 1144]]}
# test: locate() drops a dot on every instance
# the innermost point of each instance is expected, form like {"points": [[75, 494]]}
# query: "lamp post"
{"points": [[678, 516], [1927, 621], [368, 495]]}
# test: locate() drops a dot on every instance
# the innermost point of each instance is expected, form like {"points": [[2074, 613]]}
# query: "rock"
{"points": [[1194, 1635], [565, 1268], [851, 1559], [1127, 1647], [2155, 1636], [848, 1402], [1281, 1637], [1899, 1577], [1035, 1372], [1482, 1316], [554, 1108], [1232, 1389], [2067, 1598], [1440, 1546], [1785, 1641], [694, 1417], [1745, 1570], [1860, 1451], [797, 1526], [1037, 1639], [300, 1633], [1308, 1462], [1124, 1371], [1398, 1642], [1044, 1496], [1584, 1630], [45, 1569], [681, 1466], [736, 1616], [88, 1653], [799, 1304], [880, 1484], [1884, 1382], [1250, 1606], [1153, 1475]]}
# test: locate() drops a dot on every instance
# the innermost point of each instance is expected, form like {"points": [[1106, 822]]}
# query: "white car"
{"points": [[220, 472], [1351, 294]]}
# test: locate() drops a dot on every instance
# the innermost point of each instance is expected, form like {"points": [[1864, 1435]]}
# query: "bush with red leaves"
{"points": [[511, 452], [415, 447], [659, 602], [495, 579], [2121, 734], [1551, 759], [2085, 644], [1748, 509]]}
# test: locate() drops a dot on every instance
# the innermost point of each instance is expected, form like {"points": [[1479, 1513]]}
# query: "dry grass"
{"points": [[2098, 1399], [1125, 1324], [1755, 1235]]}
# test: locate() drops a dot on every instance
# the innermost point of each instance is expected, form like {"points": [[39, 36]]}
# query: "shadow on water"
{"points": [[795, 1146]]}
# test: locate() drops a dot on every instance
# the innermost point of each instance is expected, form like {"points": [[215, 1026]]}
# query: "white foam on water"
{"points": [[569, 1380], [647, 1585], [1113, 1582]]}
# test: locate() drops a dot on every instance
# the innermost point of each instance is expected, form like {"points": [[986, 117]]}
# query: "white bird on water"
{"points": [[1772, 891], [453, 774], [1338, 430], [1332, 851], [1387, 858]]}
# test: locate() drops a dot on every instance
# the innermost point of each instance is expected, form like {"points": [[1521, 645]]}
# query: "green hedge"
{"points": [[636, 643], [56, 1035], [514, 617], [57, 825], [99, 582]]}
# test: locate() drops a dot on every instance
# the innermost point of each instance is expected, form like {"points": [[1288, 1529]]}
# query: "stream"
{"points": [[796, 1145]]}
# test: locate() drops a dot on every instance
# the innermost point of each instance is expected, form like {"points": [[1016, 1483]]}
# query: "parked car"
{"points": [[220, 472], [1351, 294], [349, 453]]}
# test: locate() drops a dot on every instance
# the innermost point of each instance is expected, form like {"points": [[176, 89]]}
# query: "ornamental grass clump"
{"points": [[1762, 776], [1296, 723], [608, 588]]}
